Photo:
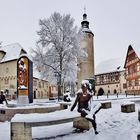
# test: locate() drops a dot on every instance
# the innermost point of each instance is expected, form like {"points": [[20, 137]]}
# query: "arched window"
{"points": [[115, 91], [100, 92]]}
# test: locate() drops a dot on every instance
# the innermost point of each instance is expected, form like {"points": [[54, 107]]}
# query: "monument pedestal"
{"points": [[23, 100]]}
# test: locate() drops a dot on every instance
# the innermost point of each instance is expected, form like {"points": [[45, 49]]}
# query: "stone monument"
{"points": [[24, 80]]}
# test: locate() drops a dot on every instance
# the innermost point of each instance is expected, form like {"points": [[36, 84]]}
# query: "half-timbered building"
{"points": [[132, 67]]}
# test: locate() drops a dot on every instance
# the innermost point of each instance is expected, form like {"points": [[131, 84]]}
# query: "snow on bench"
{"points": [[106, 104], [21, 124]]}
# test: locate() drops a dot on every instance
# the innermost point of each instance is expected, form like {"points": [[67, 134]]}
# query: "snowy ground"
{"points": [[112, 124]]}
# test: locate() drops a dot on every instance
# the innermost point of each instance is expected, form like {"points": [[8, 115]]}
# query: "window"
{"points": [[39, 84], [42, 84], [129, 83], [136, 82], [116, 77], [6, 81], [124, 85], [41, 93], [138, 66], [34, 83], [38, 93]]}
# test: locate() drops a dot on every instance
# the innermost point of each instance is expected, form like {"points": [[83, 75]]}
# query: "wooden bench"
{"points": [[21, 124]]}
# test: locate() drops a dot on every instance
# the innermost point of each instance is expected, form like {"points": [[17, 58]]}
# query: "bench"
{"points": [[21, 124], [128, 107], [106, 105], [6, 113], [64, 105]]}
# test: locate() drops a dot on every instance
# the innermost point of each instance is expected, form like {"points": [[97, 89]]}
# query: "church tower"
{"points": [[86, 66]]}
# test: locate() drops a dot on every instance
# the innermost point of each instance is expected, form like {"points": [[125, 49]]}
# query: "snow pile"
{"points": [[112, 124], [36, 117], [111, 65], [127, 103]]}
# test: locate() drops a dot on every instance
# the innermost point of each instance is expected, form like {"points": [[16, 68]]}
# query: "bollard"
{"points": [[139, 115], [97, 96], [107, 95], [138, 137]]}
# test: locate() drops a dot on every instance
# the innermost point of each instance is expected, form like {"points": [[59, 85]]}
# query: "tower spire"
{"points": [[85, 23], [84, 9]]}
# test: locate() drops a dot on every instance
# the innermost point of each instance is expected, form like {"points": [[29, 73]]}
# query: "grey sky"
{"points": [[115, 23]]}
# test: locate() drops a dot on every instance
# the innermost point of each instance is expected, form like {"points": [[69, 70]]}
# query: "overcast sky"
{"points": [[115, 23]]}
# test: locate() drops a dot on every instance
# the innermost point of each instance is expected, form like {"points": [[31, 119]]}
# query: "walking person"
{"points": [[83, 100], [2, 98]]}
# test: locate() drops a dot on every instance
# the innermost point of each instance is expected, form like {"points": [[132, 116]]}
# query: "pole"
{"points": [[59, 86]]}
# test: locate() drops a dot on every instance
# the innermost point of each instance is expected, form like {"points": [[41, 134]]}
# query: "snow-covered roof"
{"points": [[86, 30], [111, 65], [12, 52], [37, 74]]}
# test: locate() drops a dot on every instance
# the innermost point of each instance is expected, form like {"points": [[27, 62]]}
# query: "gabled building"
{"points": [[8, 66], [132, 67], [8, 72], [110, 77]]}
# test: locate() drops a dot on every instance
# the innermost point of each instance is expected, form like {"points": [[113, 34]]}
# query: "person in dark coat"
{"points": [[67, 97], [2, 98], [83, 99]]}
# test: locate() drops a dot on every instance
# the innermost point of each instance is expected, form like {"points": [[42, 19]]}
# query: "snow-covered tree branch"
{"points": [[57, 49]]}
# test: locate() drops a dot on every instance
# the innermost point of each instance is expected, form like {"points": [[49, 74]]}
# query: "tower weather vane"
{"points": [[84, 9]]}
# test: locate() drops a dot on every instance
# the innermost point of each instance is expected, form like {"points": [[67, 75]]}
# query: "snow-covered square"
{"points": [[112, 124]]}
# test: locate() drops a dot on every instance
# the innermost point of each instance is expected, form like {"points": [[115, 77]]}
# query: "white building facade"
{"points": [[8, 73], [111, 77]]}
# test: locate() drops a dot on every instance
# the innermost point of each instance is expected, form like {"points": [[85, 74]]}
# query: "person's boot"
{"points": [[96, 132]]}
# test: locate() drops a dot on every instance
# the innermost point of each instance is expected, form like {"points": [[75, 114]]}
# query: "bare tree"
{"points": [[57, 49]]}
